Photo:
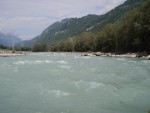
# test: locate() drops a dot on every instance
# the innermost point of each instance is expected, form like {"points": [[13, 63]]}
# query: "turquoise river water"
{"points": [[59, 83]]}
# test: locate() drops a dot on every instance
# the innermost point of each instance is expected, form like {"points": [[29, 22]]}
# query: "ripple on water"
{"points": [[87, 85], [16, 69], [76, 57], [86, 57], [65, 67], [44, 61], [95, 85], [121, 59], [58, 93], [23, 62], [55, 93], [62, 62], [145, 61]]}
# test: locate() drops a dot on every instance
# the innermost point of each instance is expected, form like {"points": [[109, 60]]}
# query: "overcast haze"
{"points": [[28, 18]]}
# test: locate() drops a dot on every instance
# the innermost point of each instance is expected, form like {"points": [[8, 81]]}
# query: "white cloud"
{"points": [[25, 27], [29, 18]]}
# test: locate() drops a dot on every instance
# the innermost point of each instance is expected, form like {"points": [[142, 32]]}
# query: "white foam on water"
{"points": [[94, 85], [38, 61], [48, 61], [39, 54], [58, 93], [62, 62], [87, 85], [22, 62], [42, 61], [32, 62], [77, 83], [120, 59], [86, 57], [65, 67]]}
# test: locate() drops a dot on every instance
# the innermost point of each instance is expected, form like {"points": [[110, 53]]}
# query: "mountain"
{"points": [[128, 34], [8, 39], [74, 26]]}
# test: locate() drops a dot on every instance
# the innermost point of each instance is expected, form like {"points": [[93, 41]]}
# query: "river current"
{"points": [[60, 83]]}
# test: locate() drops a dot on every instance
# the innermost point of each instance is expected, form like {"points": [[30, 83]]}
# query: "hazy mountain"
{"points": [[74, 26], [8, 39]]}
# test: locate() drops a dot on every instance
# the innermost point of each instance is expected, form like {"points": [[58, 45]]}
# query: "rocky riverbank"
{"points": [[9, 53], [126, 55]]}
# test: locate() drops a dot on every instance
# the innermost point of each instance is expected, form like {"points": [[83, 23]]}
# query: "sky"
{"points": [[28, 18]]}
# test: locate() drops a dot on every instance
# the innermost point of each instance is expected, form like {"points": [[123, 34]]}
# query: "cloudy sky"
{"points": [[28, 18]]}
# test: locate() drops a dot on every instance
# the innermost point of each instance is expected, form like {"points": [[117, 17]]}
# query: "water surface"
{"points": [[59, 83]]}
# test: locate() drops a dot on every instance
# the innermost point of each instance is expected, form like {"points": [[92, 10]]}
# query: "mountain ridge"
{"points": [[74, 26]]}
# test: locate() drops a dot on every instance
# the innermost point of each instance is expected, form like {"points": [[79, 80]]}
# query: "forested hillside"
{"points": [[129, 34], [71, 27]]}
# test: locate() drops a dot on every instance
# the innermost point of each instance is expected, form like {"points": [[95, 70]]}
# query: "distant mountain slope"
{"points": [[129, 34], [8, 39], [74, 26]]}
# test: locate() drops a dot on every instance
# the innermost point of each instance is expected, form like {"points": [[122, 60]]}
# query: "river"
{"points": [[59, 83]]}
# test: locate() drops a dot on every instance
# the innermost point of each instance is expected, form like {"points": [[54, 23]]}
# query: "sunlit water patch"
{"points": [[71, 83]]}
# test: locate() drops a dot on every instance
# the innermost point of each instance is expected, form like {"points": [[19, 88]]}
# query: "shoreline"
{"points": [[10, 53], [126, 55], [144, 55]]}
